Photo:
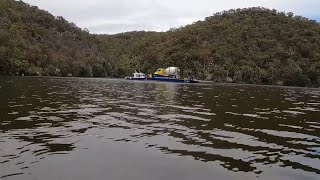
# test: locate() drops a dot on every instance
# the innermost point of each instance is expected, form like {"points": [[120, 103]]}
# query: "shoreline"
{"points": [[200, 82]]}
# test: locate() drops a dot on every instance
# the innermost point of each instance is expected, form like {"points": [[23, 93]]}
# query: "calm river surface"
{"points": [[80, 129]]}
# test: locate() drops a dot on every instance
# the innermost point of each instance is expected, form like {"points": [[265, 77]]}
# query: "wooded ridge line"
{"points": [[253, 45]]}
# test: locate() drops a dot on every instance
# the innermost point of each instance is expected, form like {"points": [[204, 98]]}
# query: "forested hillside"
{"points": [[255, 45], [34, 42]]}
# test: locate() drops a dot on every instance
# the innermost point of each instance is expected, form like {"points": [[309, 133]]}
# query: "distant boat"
{"points": [[171, 74], [137, 76]]}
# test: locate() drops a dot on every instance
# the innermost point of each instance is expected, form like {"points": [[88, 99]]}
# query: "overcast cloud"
{"points": [[114, 16]]}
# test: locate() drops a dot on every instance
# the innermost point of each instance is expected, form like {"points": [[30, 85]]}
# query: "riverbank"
{"points": [[200, 82]]}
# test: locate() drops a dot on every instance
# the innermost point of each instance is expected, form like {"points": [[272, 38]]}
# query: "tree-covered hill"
{"points": [[254, 45], [34, 42]]}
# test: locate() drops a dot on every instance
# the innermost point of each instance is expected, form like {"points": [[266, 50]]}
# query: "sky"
{"points": [[115, 16]]}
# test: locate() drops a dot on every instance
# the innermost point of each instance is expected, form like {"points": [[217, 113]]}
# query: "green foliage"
{"points": [[253, 45], [34, 42], [34, 70], [98, 70]]}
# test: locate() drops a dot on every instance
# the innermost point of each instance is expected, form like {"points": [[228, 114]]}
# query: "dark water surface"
{"points": [[71, 128]]}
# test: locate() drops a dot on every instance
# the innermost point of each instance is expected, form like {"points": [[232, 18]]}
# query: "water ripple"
{"points": [[241, 129]]}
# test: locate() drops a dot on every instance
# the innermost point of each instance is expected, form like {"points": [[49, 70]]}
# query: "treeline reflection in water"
{"points": [[247, 131]]}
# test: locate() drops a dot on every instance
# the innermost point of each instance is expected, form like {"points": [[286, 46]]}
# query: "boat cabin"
{"points": [[139, 75]]}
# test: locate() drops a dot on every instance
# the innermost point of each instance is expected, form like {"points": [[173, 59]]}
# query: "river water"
{"points": [[80, 129]]}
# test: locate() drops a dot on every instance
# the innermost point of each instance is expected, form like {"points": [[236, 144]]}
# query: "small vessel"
{"points": [[171, 74], [137, 76]]}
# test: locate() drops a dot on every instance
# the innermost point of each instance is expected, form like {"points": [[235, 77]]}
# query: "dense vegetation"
{"points": [[254, 45], [34, 42]]}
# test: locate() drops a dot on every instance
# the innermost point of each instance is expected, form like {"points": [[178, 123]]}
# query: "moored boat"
{"points": [[137, 76], [171, 74]]}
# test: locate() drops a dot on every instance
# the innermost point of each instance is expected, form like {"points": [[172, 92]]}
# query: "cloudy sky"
{"points": [[114, 16]]}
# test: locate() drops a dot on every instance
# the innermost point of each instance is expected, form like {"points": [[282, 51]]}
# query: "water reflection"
{"points": [[258, 130]]}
